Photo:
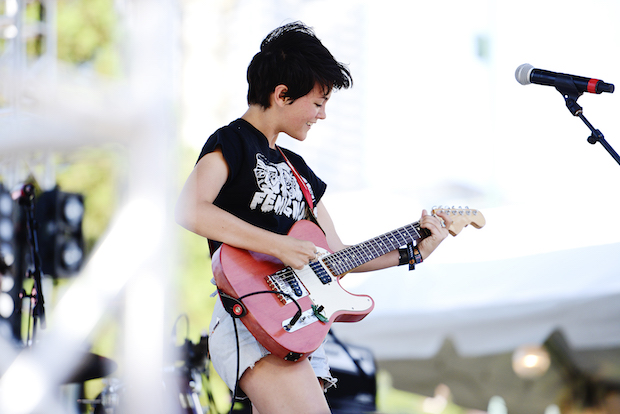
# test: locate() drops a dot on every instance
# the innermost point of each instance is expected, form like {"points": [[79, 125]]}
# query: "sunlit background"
{"points": [[113, 100]]}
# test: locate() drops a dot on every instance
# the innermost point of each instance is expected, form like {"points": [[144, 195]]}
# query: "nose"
{"points": [[322, 114]]}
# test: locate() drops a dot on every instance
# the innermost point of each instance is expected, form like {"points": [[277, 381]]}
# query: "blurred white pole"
{"points": [[152, 56], [135, 257]]}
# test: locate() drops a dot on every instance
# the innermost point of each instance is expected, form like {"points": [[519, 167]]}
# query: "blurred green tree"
{"points": [[87, 34]]}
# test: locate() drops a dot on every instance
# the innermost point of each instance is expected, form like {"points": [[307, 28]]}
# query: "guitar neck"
{"points": [[347, 259]]}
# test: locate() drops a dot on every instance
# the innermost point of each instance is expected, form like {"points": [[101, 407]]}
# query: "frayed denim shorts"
{"points": [[223, 350]]}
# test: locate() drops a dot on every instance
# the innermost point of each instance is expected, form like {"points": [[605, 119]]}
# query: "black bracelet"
{"points": [[403, 257], [409, 255]]}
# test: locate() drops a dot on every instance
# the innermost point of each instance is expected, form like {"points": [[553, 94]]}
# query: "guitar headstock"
{"points": [[461, 218]]}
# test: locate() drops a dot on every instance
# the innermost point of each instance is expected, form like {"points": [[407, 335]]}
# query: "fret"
{"points": [[412, 233], [399, 239], [371, 248], [351, 257], [396, 240]]}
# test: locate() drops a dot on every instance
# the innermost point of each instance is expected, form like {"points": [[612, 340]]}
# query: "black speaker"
{"points": [[354, 367], [61, 242]]}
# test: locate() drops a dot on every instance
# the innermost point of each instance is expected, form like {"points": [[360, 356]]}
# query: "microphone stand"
{"points": [[566, 86], [38, 313]]}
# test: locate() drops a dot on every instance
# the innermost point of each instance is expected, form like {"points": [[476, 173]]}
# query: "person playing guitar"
{"points": [[247, 193]]}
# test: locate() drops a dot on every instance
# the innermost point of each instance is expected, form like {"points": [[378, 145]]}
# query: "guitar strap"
{"points": [[304, 190]]}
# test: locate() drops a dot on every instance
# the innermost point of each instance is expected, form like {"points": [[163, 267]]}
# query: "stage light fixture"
{"points": [[10, 277], [73, 209], [61, 242], [7, 302], [7, 230]]}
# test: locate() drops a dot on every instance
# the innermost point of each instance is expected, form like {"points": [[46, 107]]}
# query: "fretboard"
{"points": [[351, 257]]}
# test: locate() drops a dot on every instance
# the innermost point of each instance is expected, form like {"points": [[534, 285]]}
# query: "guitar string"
{"points": [[342, 261], [351, 257]]}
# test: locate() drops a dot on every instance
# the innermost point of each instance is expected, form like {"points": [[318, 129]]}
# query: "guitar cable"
{"points": [[237, 309]]}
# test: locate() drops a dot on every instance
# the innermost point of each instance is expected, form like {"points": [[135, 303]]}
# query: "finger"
{"points": [[432, 220], [434, 225], [446, 218], [315, 257], [313, 254], [299, 266]]}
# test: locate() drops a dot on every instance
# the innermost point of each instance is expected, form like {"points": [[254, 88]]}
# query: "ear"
{"points": [[279, 95]]}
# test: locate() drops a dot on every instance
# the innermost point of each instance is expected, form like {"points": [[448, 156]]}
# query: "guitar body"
{"points": [[291, 311], [315, 288]]}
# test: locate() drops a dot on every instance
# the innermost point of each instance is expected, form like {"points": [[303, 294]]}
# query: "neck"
{"points": [[261, 120]]}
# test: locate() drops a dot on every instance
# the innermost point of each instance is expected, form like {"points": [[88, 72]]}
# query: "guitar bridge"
{"points": [[286, 281]]}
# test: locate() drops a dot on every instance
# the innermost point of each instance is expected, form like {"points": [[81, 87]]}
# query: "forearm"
{"points": [[210, 221], [387, 260]]}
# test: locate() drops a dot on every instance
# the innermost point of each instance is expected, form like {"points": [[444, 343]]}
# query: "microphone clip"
{"points": [[566, 86]]}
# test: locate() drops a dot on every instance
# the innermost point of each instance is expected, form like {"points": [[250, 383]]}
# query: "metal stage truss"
{"points": [[45, 110]]}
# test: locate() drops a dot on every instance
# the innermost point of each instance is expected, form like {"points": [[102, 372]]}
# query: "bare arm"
{"points": [[335, 244], [196, 212]]}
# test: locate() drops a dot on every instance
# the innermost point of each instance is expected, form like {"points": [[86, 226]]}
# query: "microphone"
{"points": [[23, 194], [526, 74]]}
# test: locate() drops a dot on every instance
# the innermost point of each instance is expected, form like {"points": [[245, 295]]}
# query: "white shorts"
{"points": [[223, 350]]}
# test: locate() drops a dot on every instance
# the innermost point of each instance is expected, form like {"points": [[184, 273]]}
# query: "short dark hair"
{"points": [[292, 55]]}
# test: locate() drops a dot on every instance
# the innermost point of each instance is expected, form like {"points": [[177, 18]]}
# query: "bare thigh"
{"points": [[276, 386]]}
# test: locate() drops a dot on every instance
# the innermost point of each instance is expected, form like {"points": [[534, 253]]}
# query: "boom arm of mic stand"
{"points": [[597, 136], [567, 88]]}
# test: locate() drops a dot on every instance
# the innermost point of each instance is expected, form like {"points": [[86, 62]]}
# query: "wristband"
{"points": [[403, 257], [417, 256], [411, 253], [414, 256]]}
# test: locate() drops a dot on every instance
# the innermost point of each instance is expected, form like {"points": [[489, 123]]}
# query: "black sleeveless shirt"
{"points": [[261, 188]]}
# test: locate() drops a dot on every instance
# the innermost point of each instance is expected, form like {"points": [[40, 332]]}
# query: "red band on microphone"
{"points": [[592, 85]]}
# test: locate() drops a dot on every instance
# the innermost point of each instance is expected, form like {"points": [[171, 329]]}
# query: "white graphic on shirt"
{"points": [[279, 191]]}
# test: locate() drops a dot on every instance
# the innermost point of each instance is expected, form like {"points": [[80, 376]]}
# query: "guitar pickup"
{"points": [[320, 272], [286, 281]]}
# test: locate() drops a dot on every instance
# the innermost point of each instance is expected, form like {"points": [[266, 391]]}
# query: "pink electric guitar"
{"points": [[290, 311]]}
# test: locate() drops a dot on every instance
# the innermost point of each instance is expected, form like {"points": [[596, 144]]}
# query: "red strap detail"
{"points": [[302, 184], [592, 85]]}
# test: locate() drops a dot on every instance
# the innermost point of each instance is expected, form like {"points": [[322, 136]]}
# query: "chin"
{"points": [[299, 137]]}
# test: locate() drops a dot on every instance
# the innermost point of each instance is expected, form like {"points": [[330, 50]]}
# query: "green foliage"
{"points": [[86, 34], [194, 282], [95, 173]]}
